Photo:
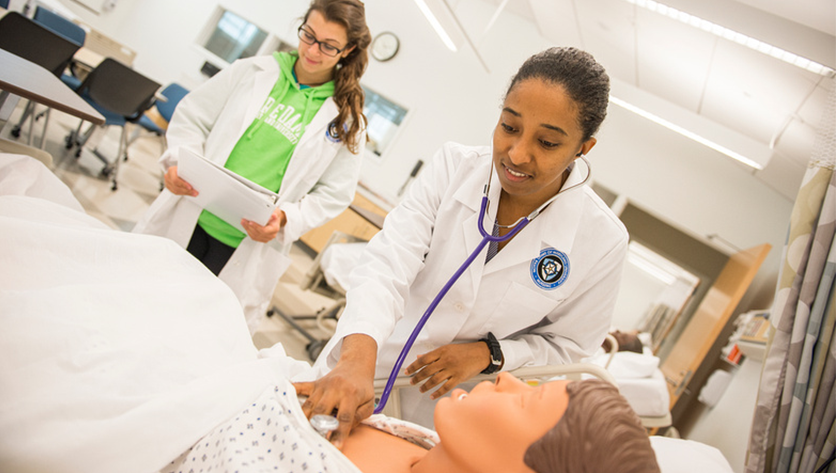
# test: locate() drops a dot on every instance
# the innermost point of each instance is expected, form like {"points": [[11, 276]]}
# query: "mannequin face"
{"points": [[314, 67], [490, 428]]}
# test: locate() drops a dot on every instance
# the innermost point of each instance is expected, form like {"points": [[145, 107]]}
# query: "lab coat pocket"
{"points": [[521, 307]]}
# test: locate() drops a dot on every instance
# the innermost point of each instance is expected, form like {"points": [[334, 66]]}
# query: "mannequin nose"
{"points": [[505, 382]]}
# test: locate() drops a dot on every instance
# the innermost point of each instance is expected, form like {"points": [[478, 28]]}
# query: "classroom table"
{"points": [[28, 80]]}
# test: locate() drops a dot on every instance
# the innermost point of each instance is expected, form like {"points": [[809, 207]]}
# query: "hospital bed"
{"points": [[120, 351], [323, 278], [636, 375], [641, 382]]}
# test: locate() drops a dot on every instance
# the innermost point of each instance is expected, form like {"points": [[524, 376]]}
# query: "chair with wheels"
{"points": [[122, 95], [163, 110], [69, 30], [30, 40], [323, 278]]}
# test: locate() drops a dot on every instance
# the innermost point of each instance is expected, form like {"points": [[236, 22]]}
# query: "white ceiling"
{"points": [[751, 93]]}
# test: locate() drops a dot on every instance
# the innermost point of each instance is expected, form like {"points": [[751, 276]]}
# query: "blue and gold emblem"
{"points": [[550, 269]]}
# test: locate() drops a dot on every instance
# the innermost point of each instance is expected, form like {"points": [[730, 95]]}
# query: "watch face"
{"points": [[385, 46]]}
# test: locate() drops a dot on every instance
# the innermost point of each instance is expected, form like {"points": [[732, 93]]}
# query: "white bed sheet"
{"points": [[688, 456], [639, 380], [91, 380]]}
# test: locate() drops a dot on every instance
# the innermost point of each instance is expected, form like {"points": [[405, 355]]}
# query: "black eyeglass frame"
{"points": [[302, 33]]}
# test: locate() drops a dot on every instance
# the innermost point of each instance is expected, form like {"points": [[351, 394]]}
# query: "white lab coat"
{"points": [[319, 183], [426, 238]]}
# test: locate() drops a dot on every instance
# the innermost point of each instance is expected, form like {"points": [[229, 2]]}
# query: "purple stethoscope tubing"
{"points": [[486, 238]]}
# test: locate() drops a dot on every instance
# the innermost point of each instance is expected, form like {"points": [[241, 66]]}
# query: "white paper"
{"points": [[224, 193]]}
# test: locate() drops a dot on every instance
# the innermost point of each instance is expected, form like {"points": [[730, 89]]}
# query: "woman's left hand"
{"points": [[267, 232], [449, 366]]}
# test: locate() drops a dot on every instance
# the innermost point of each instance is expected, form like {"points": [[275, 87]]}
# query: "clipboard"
{"points": [[224, 193]]}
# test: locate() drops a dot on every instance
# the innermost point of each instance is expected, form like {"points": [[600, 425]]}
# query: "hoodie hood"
{"points": [[314, 96]]}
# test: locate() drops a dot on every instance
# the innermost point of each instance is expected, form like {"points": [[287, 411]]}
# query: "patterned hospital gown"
{"points": [[272, 434]]}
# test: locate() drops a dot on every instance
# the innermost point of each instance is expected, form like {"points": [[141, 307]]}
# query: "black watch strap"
{"points": [[496, 354]]}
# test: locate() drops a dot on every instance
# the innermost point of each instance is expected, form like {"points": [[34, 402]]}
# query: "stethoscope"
{"points": [[486, 238]]}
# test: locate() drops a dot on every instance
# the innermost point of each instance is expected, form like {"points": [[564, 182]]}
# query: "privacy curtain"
{"points": [[793, 426]]}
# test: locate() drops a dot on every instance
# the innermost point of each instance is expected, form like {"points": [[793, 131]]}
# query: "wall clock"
{"points": [[385, 46]]}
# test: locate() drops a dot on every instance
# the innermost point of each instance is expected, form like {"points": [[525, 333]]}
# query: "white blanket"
{"points": [[639, 380], [117, 351]]}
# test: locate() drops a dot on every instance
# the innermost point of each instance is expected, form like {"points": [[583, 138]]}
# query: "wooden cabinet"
{"points": [[361, 219]]}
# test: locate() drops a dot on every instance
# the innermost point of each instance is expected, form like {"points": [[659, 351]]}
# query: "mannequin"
{"points": [[510, 426], [627, 341]]}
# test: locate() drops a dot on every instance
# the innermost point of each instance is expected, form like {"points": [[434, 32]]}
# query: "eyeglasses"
{"points": [[325, 48]]}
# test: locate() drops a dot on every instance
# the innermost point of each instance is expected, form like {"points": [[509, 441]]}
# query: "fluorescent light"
{"points": [[651, 269], [445, 38], [736, 37], [682, 131]]}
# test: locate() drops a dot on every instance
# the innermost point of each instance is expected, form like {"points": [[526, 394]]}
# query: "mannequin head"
{"points": [[627, 341], [506, 416], [599, 432], [560, 426]]}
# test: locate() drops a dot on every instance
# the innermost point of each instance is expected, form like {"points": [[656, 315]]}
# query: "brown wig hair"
{"points": [[598, 433], [348, 95]]}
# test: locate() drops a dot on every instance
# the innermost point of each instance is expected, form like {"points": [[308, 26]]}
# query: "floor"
{"points": [[139, 180]]}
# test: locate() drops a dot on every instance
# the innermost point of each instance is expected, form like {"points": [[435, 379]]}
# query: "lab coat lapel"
{"points": [[470, 195], [265, 79], [300, 164]]}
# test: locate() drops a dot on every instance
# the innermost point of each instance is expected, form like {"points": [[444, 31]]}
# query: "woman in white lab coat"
{"points": [[320, 154], [544, 297]]}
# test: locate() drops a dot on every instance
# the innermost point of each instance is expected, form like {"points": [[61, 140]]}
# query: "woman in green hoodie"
{"points": [[291, 122]]}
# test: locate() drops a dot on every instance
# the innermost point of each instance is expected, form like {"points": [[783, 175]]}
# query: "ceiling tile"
{"points": [[673, 59], [752, 92], [607, 31]]}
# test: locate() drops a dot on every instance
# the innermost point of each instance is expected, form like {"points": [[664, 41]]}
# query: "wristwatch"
{"points": [[496, 354]]}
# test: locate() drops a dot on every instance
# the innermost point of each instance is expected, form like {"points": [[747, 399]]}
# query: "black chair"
{"points": [[121, 95], [74, 33], [36, 43]]}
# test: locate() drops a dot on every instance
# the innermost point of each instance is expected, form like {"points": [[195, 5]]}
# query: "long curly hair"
{"points": [[348, 94]]}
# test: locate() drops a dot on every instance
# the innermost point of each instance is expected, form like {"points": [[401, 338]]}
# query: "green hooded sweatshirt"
{"points": [[263, 152]]}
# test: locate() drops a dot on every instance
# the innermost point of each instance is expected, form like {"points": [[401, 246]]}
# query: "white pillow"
{"points": [[688, 456]]}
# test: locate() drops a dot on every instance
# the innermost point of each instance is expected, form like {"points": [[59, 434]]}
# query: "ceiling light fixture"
{"points": [[439, 30], [736, 37], [684, 132]]}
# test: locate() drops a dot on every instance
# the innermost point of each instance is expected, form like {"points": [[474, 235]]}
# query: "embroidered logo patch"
{"points": [[550, 269], [331, 133]]}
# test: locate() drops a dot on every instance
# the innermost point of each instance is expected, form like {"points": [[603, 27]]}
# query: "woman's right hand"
{"points": [[176, 185], [348, 389]]}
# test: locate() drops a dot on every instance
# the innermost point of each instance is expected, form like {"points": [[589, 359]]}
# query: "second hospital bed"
{"points": [[637, 375]]}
